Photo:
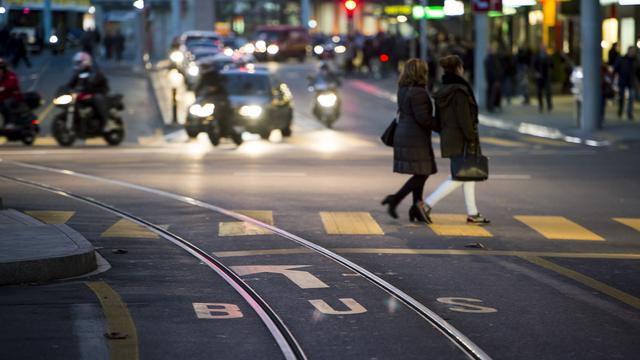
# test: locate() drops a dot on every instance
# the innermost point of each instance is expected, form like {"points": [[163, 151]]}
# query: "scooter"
{"points": [[78, 119], [25, 125], [326, 104]]}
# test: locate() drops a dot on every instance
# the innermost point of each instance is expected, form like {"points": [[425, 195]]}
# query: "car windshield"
{"points": [[269, 35], [247, 84], [194, 41]]}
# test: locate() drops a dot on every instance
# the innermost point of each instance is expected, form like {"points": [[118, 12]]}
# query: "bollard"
{"points": [[174, 105]]}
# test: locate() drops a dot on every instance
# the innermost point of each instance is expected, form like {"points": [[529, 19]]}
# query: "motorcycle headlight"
{"points": [[176, 56], [273, 49], [193, 70], [63, 100], [327, 100], [340, 49], [318, 49], [261, 46], [202, 111], [250, 111], [53, 39]]}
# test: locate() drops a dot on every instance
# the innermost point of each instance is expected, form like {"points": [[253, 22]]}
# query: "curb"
{"points": [[80, 261]]}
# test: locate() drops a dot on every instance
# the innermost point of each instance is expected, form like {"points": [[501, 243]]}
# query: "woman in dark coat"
{"points": [[458, 115], [412, 151]]}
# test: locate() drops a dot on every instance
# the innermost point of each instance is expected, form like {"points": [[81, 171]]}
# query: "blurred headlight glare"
{"points": [[193, 70], [327, 100], [273, 49], [340, 49], [203, 111], [261, 46], [63, 99], [250, 111], [176, 56], [318, 49]]}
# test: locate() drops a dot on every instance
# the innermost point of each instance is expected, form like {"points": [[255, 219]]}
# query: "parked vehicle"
{"points": [[280, 42], [257, 103], [78, 118], [25, 125]]}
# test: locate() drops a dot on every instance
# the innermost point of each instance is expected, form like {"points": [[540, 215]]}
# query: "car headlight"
{"points": [[250, 111], [327, 100], [340, 49], [249, 48], [273, 49], [53, 39], [176, 56], [202, 111], [261, 46], [63, 99], [318, 49], [193, 70]]}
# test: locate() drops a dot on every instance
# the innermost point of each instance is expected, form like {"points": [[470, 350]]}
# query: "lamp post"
{"points": [[176, 79]]}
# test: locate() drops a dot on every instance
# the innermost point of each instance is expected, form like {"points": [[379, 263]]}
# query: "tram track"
{"points": [[287, 342]]}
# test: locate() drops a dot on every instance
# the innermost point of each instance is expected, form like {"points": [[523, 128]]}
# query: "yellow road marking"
{"points": [[46, 140], [350, 223], [43, 115], [544, 141], [95, 141], [456, 225], [241, 228], [631, 222], [501, 142], [558, 228], [585, 280], [127, 229], [118, 321], [51, 217], [387, 251]]}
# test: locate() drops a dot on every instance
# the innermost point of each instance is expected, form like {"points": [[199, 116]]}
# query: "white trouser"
{"points": [[447, 187]]}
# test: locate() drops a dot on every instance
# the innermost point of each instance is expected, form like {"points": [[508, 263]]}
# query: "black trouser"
{"points": [[544, 88], [494, 95], [414, 185], [19, 56], [6, 113], [102, 108]]}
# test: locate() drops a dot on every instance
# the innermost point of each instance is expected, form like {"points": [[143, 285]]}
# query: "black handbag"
{"points": [[470, 167], [390, 132]]}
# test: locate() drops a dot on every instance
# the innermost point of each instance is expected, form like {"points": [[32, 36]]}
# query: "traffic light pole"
{"points": [[591, 62], [46, 20], [479, 80], [424, 36]]}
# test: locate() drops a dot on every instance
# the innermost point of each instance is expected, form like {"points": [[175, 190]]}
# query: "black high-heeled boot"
{"points": [[391, 203], [420, 212]]}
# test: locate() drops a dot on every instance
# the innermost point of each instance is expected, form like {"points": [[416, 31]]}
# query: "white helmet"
{"points": [[82, 60]]}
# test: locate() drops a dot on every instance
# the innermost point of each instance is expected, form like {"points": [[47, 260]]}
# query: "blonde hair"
{"points": [[414, 73], [450, 63]]}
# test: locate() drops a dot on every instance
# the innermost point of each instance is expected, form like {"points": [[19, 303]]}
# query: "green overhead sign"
{"points": [[428, 12]]}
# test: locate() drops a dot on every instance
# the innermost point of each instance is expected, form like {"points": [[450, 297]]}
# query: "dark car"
{"points": [[259, 103], [280, 42]]}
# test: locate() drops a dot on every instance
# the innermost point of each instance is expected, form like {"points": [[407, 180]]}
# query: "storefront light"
{"points": [[402, 19], [3, 10], [629, 2], [453, 8], [518, 3], [535, 17], [604, 44], [92, 10], [507, 10], [313, 24]]}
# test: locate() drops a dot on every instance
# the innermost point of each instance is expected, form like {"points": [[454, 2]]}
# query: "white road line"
{"points": [[510, 177]]}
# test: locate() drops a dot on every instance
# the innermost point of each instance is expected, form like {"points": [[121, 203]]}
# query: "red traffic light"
{"points": [[350, 5]]}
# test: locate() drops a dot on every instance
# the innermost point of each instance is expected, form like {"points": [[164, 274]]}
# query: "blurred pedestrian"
{"points": [[412, 150], [458, 115], [5, 36], [108, 46], [613, 55], [626, 68], [542, 69], [523, 67], [493, 74], [509, 78], [9, 92], [607, 91], [18, 44], [118, 44]]}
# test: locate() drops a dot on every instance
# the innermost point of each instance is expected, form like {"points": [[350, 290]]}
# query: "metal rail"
{"points": [[288, 344], [464, 343]]}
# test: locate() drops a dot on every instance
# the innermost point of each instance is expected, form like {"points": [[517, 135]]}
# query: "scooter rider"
{"points": [[325, 74], [89, 79], [212, 84], [9, 91]]}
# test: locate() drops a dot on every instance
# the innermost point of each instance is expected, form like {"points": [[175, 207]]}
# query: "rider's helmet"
{"points": [[82, 61]]}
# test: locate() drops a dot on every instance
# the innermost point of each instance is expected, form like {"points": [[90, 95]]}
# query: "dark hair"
{"points": [[450, 63], [414, 73]]}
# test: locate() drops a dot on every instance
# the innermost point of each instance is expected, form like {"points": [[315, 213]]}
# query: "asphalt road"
{"points": [[555, 276]]}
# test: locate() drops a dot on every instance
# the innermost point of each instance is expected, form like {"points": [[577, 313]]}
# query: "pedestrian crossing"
{"points": [[362, 223]]}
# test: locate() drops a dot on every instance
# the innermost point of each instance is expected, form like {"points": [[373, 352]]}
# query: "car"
{"points": [[280, 42], [182, 46], [260, 103]]}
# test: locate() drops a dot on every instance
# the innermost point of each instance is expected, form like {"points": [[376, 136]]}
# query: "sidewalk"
{"points": [[31, 251], [560, 124]]}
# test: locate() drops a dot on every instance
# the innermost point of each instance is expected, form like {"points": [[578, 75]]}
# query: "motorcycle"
{"points": [[78, 119], [326, 104], [25, 126], [201, 118]]}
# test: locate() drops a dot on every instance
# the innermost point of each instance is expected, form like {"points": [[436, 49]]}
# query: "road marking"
{"points": [[128, 229], [501, 142], [51, 217], [510, 177], [45, 141], [456, 225], [354, 307], [269, 174], [43, 115], [242, 228], [398, 251], [350, 223], [462, 306], [304, 279], [558, 228], [585, 280], [95, 141], [224, 311], [118, 321], [631, 222], [545, 141]]}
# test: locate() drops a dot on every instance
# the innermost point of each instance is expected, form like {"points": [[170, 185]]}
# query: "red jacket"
{"points": [[10, 87]]}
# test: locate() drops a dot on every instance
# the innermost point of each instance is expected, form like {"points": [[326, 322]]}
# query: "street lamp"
{"points": [[138, 4]]}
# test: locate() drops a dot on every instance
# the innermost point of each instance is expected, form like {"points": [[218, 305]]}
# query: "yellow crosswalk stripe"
{"points": [[127, 229], [241, 228], [630, 222], [95, 141], [501, 142], [46, 140], [558, 228], [545, 141], [456, 225], [350, 223], [51, 217]]}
